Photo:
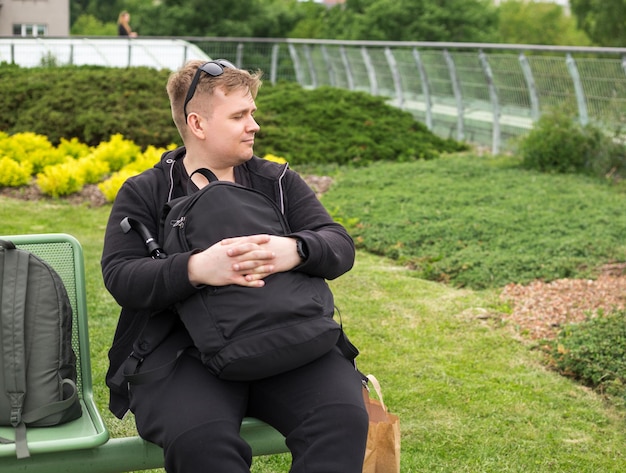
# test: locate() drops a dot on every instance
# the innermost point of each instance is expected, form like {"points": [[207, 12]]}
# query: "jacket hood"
{"points": [[171, 155], [263, 169], [255, 164]]}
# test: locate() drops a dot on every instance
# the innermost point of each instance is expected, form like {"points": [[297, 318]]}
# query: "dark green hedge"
{"points": [[325, 125], [331, 125], [88, 103]]}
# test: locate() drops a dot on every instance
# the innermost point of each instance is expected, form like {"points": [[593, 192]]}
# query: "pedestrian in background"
{"points": [[123, 25]]}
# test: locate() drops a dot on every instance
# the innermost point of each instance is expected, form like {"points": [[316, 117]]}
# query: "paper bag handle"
{"points": [[372, 379]]}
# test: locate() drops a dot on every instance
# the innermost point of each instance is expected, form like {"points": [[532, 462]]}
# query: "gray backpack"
{"points": [[37, 361]]}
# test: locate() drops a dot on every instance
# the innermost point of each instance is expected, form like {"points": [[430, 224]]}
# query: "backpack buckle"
{"points": [[16, 416]]}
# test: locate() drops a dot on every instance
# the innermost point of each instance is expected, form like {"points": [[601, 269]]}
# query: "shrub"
{"points": [[61, 179], [111, 186], [89, 103], [117, 152], [593, 352], [73, 148], [32, 148], [145, 160], [92, 169], [558, 143], [14, 174], [332, 125]]}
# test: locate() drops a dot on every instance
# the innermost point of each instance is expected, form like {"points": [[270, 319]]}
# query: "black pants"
{"points": [[196, 417]]}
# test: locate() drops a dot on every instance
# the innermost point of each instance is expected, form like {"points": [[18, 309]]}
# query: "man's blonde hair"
{"points": [[229, 81]]}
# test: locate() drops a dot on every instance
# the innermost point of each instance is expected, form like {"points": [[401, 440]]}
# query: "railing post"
{"points": [[456, 88], [239, 57], [274, 63], [371, 72], [347, 67], [395, 73], [296, 63], [578, 89], [329, 65], [532, 87], [495, 105], [185, 54], [425, 88], [309, 60]]}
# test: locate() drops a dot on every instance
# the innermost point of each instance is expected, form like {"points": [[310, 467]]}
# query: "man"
{"points": [[192, 414]]}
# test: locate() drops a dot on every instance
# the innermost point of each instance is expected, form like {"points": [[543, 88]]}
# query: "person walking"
{"points": [[123, 25]]}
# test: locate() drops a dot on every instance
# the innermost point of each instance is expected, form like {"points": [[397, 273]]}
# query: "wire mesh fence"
{"points": [[483, 93]]}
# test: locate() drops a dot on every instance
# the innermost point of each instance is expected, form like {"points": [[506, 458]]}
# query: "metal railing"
{"points": [[481, 93]]}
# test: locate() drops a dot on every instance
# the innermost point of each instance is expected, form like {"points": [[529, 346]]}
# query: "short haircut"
{"points": [[229, 81]]}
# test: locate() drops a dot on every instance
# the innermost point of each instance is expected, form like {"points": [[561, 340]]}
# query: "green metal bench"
{"points": [[84, 445]]}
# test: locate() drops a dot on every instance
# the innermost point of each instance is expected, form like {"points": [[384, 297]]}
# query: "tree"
{"points": [[278, 18], [415, 20], [89, 25], [388, 20], [603, 20], [521, 22], [195, 17], [103, 10]]}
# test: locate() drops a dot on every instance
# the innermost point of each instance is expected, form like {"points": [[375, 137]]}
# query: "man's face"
{"points": [[230, 127]]}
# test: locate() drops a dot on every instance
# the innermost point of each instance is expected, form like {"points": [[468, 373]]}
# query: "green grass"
{"points": [[483, 222], [471, 397]]}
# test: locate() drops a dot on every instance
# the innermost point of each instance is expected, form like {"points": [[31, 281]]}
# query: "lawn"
{"points": [[471, 395]]}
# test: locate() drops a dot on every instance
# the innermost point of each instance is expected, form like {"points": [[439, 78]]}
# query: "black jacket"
{"points": [[142, 285]]}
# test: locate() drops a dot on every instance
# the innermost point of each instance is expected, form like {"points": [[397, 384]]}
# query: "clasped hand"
{"points": [[245, 261]]}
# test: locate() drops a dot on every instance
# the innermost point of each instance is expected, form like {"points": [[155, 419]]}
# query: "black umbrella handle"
{"points": [[128, 224]]}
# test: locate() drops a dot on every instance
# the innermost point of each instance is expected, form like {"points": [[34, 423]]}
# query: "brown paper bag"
{"points": [[382, 453]]}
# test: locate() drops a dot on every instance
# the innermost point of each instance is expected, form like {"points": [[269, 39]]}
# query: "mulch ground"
{"points": [[541, 309]]}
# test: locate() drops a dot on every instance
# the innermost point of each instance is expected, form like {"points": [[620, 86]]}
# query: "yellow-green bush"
{"points": [[145, 160], [92, 168], [276, 159], [14, 174], [67, 168], [61, 179], [32, 148], [117, 152], [148, 158], [111, 186], [73, 148]]}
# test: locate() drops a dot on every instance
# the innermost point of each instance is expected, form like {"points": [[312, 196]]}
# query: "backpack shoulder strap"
{"points": [[207, 173], [14, 282]]}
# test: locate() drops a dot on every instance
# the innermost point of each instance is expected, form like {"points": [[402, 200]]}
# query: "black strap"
{"points": [[207, 173], [132, 375], [13, 310], [344, 344], [154, 332]]}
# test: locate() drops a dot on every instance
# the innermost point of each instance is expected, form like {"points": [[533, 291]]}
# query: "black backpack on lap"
{"points": [[244, 333]]}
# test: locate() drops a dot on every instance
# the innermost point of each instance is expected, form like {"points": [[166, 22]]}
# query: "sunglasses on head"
{"points": [[212, 68]]}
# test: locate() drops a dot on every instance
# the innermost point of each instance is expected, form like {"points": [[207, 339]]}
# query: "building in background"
{"points": [[33, 18]]}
